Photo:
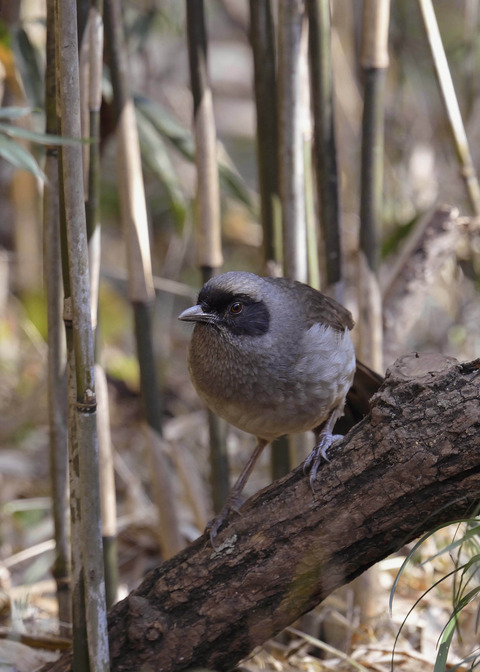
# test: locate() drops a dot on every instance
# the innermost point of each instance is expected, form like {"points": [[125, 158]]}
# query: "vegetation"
{"points": [[222, 135]]}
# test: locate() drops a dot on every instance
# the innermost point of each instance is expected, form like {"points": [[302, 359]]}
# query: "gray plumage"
{"points": [[283, 381], [272, 357]]}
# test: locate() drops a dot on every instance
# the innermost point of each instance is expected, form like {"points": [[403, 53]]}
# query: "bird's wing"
{"points": [[321, 308], [317, 307]]}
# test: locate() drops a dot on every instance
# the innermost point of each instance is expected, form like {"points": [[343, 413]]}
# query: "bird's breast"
{"points": [[266, 389]]}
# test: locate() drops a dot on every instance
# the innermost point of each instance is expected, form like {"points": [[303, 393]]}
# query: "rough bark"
{"points": [[412, 464]]}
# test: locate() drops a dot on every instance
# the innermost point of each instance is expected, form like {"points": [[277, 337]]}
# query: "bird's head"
{"points": [[234, 302]]}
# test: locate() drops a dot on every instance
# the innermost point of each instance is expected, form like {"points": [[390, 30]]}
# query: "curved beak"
{"points": [[196, 314]]}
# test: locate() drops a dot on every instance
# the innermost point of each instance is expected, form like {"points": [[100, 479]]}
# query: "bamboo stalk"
{"points": [[291, 165], [79, 619], [207, 205], [262, 37], [85, 401], [313, 257], [291, 161], [141, 290], [450, 101], [207, 212], [79, 626], [94, 98], [108, 505], [79, 612], [372, 165], [93, 35], [374, 61], [56, 345], [324, 148]]}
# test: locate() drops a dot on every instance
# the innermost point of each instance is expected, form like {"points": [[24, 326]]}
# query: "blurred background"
{"points": [[425, 200]]}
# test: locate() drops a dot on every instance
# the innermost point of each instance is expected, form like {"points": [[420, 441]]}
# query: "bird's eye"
{"points": [[236, 308]]}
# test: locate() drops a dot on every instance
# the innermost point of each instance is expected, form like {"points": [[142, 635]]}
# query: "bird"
{"points": [[273, 356]]}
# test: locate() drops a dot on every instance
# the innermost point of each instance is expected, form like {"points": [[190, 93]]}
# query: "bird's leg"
{"points": [[234, 499], [323, 440]]}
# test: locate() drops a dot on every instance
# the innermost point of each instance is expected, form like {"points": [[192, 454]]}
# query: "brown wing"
{"points": [[317, 306]]}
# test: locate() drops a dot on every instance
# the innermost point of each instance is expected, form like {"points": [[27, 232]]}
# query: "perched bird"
{"points": [[272, 357]]}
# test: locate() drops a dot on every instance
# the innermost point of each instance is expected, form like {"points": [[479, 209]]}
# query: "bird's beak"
{"points": [[196, 314]]}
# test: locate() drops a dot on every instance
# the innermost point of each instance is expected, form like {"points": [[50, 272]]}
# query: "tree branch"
{"points": [[412, 464]]}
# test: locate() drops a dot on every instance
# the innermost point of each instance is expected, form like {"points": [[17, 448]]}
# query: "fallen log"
{"points": [[412, 464]]}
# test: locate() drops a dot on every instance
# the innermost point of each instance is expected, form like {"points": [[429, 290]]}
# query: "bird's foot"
{"points": [[213, 527], [319, 453]]}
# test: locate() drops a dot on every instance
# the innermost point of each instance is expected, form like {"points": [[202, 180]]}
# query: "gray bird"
{"points": [[272, 357]]}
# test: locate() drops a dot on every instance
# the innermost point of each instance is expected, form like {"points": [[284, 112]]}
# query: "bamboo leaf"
{"points": [[14, 112], [28, 60], [232, 181], [180, 137], [156, 157], [19, 157], [39, 138], [183, 141]]}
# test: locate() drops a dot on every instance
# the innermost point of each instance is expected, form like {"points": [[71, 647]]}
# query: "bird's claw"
{"points": [[212, 529], [214, 525], [319, 453]]}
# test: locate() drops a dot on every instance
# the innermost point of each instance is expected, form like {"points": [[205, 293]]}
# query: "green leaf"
{"points": [[156, 157], [14, 112], [417, 546], [19, 157], [28, 60], [180, 137], [232, 181], [443, 649], [473, 658], [473, 532], [183, 141], [40, 138]]}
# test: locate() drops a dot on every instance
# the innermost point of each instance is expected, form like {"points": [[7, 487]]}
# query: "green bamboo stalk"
{"points": [[291, 160], [450, 101], [374, 61], [324, 150], [56, 345], [262, 37], [207, 211], [141, 291], [85, 401]]}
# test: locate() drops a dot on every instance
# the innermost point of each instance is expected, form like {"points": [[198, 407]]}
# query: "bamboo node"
{"points": [[89, 402], [67, 310]]}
